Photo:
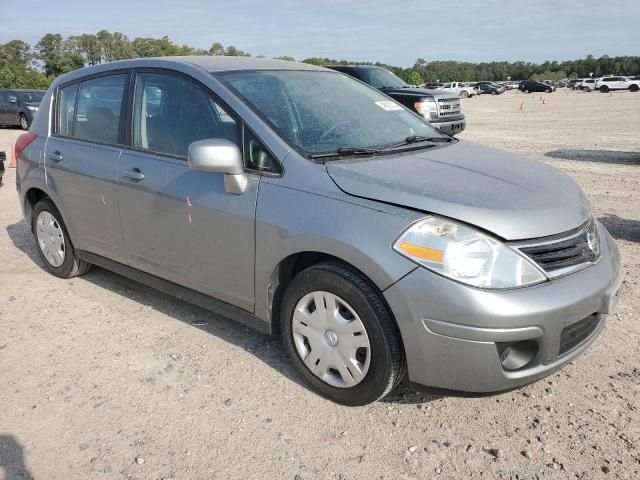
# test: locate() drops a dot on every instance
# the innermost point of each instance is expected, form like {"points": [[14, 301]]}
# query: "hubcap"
{"points": [[331, 339], [50, 239], [23, 123]]}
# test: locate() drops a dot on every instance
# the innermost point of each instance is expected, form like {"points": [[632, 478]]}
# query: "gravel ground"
{"points": [[103, 378]]}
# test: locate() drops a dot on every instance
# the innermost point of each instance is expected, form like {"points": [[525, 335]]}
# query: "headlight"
{"points": [[466, 255], [32, 108], [426, 108]]}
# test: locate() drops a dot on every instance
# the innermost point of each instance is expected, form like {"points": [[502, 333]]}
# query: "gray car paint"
{"points": [[352, 211], [506, 194]]}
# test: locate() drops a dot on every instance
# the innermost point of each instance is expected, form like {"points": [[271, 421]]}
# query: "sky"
{"points": [[396, 32]]}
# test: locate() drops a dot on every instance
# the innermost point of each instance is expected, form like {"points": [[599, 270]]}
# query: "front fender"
{"points": [[358, 235]]}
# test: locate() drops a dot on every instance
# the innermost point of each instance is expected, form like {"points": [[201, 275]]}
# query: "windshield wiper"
{"points": [[346, 151], [417, 139]]}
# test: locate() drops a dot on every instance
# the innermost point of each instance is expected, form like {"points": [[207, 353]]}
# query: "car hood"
{"points": [[509, 195], [418, 93]]}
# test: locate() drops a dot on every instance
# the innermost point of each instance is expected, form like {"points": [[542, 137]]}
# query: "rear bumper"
{"points": [[452, 333]]}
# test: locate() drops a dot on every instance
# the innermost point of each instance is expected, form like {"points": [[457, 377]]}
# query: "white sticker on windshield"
{"points": [[389, 105]]}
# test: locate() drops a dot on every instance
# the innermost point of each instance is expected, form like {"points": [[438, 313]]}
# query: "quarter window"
{"points": [[66, 109], [171, 112], [98, 109]]}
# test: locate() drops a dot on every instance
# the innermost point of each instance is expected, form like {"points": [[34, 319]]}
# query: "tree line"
{"points": [[24, 66]]}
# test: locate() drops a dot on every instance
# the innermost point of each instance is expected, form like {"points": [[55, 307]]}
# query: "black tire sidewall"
{"points": [[380, 368], [65, 270]]}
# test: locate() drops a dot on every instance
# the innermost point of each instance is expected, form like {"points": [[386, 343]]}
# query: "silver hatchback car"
{"points": [[300, 201]]}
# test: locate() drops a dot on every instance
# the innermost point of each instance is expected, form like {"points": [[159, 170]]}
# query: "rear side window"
{"points": [[66, 110], [98, 108], [171, 112]]}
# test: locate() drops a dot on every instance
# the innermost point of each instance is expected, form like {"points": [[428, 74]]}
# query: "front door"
{"points": [[81, 163], [179, 224]]}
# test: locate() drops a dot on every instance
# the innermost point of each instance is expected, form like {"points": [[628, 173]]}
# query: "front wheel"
{"points": [[634, 88], [340, 335], [464, 94], [547, 90], [53, 242], [604, 89], [24, 123]]}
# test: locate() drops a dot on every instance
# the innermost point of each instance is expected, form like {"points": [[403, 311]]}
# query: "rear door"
{"points": [[81, 161], [11, 108], [179, 224]]}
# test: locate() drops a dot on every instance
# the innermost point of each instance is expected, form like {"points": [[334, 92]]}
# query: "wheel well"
{"points": [[286, 270], [33, 196]]}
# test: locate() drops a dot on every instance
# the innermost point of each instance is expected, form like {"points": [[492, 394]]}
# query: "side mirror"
{"points": [[13, 99], [220, 156]]}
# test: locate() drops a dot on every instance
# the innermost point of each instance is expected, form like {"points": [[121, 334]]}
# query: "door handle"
{"points": [[134, 174], [55, 156]]}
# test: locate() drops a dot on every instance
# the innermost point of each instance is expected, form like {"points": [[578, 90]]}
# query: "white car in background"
{"points": [[605, 84], [462, 89], [588, 84]]}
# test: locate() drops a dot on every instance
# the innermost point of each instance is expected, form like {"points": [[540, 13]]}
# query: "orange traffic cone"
{"points": [[521, 107]]}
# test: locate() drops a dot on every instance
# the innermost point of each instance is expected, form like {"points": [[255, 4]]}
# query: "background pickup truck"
{"points": [[460, 88], [440, 108]]}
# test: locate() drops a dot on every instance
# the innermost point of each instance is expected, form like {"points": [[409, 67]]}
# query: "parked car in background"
{"points": [[575, 83], [18, 107], [588, 84], [528, 86], [489, 88], [385, 251], [442, 109], [460, 88], [606, 84]]}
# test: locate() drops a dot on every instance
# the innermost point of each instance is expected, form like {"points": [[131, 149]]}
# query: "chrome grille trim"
{"points": [[566, 253], [449, 107]]}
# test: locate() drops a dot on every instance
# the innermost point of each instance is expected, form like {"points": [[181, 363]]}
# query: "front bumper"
{"points": [[451, 332], [451, 127]]}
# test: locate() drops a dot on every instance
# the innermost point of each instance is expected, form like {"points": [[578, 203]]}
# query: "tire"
{"points": [[634, 88], [526, 90], [61, 262], [604, 89], [464, 94], [494, 92], [547, 90], [23, 122], [381, 366]]}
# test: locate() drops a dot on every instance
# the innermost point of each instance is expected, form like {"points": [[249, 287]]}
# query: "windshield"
{"points": [[31, 97], [381, 78], [317, 112]]}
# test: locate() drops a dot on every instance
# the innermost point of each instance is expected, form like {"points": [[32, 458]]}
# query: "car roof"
{"points": [[219, 63]]}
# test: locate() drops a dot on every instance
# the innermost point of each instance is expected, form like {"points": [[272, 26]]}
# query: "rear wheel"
{"points": [[24, 123], [53, 242], [340, 335], [604, 89]]}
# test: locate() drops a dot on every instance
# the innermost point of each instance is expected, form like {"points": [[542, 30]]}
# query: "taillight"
{"points": [[23, 142]]}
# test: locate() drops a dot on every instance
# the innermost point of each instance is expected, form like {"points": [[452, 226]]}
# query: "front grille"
{"points": [[563, 254], [575, 334], [449, 107]]}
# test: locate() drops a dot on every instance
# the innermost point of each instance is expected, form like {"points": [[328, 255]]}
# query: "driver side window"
{"points": [[171, 112]]}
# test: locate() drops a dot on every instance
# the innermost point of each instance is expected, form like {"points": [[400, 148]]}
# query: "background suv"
{"points": [[441, 109], [605, 84], [19, 107]]}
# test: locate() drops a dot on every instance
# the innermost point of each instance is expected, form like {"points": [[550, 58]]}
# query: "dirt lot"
{"points": [[101, 377]]}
